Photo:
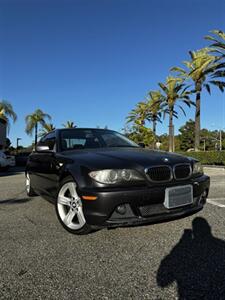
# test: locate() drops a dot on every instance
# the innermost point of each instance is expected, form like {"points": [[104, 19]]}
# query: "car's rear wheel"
{"points": [[69, 208], [29, 189]]}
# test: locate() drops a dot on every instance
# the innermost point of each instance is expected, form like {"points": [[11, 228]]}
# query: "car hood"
{"points": [[124, 158]]}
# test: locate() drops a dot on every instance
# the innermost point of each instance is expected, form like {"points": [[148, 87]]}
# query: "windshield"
{"points": [[91, 138]]}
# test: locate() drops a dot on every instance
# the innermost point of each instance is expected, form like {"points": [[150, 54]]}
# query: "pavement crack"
{"points": [[22, 272], [30, 220]]}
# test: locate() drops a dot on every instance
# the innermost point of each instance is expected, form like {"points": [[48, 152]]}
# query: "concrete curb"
{"points": [[213, 167]]}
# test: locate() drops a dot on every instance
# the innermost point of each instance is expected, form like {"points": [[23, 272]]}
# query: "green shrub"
{"points": [[208, 157]]}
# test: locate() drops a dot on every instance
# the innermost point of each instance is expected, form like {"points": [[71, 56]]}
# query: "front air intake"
{"points": [[160, 173], [182, 171]]}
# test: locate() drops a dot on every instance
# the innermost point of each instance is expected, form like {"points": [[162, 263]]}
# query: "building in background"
{"points": [[3, 129]]}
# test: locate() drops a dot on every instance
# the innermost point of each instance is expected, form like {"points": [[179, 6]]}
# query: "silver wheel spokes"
{"points": [[28, 183], [70, 207]]}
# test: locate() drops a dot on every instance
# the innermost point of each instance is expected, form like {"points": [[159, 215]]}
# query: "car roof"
{"points": [[83, 128], [80, 128]]}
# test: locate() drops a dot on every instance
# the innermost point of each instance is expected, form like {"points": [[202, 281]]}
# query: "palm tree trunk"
{"points": [[154, 133], [36, 132], [197, 116], [154, 127], [171, 132], [3, 132]]}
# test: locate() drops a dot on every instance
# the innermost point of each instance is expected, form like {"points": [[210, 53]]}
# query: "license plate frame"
{"points": [[178, 196]]}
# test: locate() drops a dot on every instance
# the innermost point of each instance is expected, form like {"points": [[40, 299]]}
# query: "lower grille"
{"points": [[151, 210], [160, 173]]}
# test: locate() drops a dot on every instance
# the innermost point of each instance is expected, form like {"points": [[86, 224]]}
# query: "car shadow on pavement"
{"points": [[15, 201], [196, 264]]}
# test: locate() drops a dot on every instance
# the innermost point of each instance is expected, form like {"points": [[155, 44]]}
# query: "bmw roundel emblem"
{"points": [[165, 159]]}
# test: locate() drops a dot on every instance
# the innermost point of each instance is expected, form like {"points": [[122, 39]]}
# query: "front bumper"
{"points": [[143, 205]]}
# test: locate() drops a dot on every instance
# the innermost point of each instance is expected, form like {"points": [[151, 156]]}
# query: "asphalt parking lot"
{"points": [[180, 259]]}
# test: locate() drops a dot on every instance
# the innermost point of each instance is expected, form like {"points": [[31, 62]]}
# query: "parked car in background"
{"points": [[6, 161], [11, 160], [99, 178]]}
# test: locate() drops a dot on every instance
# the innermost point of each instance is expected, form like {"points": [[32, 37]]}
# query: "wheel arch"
{"points": [[73, 171], [65, 174]]}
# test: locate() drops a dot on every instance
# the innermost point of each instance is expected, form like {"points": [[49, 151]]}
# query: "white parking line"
{"points": [[214, 201]]}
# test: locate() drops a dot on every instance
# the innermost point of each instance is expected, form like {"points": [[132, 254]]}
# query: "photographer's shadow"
{"points": [[196, 264]]}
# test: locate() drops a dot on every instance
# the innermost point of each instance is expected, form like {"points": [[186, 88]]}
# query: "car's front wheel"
{"points": [[29, 189], [69, 208]]}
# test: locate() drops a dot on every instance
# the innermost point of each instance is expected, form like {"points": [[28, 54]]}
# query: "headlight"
{"points": [[112, 176], [197, 168]]}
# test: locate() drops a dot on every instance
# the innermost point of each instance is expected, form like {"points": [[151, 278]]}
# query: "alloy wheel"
{"points": [[27, 183], [69, 206]]}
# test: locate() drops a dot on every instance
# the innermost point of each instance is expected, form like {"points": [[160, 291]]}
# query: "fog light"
{"points": [[203, 197], [204, 194], [121, 209]]}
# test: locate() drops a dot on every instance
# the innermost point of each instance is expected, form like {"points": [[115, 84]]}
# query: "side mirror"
{"points": [[42, 148], [142, 145]]}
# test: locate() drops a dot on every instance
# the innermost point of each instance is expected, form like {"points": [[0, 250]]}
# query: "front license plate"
{"points": [[178, 196]]}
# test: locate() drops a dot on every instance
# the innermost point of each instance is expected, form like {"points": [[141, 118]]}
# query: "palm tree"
{"points": [[7, 112], [218, 39], [139, 115], [218, 47], [147, 111], [32, 121], [154, 103], [69, 124], [172, 92], [47, 127], [200, 70]]}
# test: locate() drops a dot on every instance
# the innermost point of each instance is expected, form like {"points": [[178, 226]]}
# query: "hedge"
{"points": [[208, 157]]}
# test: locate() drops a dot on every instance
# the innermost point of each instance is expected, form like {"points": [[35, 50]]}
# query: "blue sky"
{"points": [[91, 61]]}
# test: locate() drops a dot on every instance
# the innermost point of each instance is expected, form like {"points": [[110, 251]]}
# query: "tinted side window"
{"points": [[48, 140]]}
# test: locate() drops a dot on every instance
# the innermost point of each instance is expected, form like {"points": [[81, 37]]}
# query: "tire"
{"points": [[29, 190], [69, 209]]}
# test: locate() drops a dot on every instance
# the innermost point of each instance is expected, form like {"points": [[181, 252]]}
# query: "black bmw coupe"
{"points": [[99, 178]]}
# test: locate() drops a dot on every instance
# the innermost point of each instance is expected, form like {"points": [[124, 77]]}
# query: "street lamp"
{"points": [[204, 140], [220, 137]]}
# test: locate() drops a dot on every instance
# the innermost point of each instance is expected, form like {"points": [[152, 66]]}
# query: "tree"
{"points": [[147, 111], [47, 127], [140, 134], [173, 92], [218, 41], [186, 135], [218, 47], [69, 124], [208, 139], [200, 70], [154, 103], [139, 115], [7, 112], [164, 140], [32, 121]]}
